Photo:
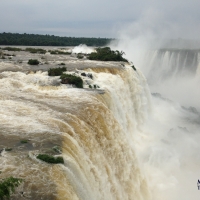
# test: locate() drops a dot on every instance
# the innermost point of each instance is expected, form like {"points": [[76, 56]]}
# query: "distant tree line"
{"points": [[49, 40]]}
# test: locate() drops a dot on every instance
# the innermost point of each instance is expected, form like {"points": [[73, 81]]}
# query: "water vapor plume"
{"points": [[82, 48], [160, 25], [164, 44]]}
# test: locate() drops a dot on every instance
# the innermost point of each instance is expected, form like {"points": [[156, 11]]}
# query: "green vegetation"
{"points": [[71, 79], [50, 159], [7, 186], [59, 52], [49, 40], [61, 64], [80, 56], [24, 141], [33, 62], [8, 149], [56, 71], [33, 50], [106, 54], [11, 49], [133, 67]]}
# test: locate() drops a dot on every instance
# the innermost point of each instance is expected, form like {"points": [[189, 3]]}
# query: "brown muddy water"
{"points": [[91, 127]]}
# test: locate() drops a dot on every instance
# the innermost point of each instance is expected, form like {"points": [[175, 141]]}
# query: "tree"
{"points": [[49, 40]]}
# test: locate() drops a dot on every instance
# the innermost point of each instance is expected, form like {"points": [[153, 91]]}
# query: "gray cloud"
{"points": [[100, 18]]}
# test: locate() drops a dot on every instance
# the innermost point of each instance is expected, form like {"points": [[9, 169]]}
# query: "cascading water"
{"points": [[94, 127], [168, 63], [117, 140], [167, 144]]}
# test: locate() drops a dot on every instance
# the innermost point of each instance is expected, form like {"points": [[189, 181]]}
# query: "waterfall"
{"points": [[95, 128], [171, 63], [167, 145]]}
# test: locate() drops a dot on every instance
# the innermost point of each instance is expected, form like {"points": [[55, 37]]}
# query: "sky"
{"points": [[105, 18]]}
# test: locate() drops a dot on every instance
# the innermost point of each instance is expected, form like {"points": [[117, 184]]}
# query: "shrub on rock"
{"points": [[106, 54], [12, 49], [71, 79], [50, 159], [33, 62], [56, 71]]}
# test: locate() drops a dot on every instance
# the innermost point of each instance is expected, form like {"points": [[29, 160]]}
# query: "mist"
{"points": [[168, 26], [164, 45], [82, 48]]}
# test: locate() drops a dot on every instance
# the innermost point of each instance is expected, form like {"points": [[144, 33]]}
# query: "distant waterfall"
{"points": [[94, 129], [171, 63]]}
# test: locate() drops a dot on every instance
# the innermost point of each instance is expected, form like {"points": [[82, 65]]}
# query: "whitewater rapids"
{"points": [[95, 129], [118, 140]]}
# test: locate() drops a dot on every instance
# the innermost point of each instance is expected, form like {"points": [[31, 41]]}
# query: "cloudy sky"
{"points": [[105, 18]]}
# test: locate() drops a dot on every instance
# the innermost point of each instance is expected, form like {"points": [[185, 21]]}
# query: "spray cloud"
{"points": [[167, 145]]}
